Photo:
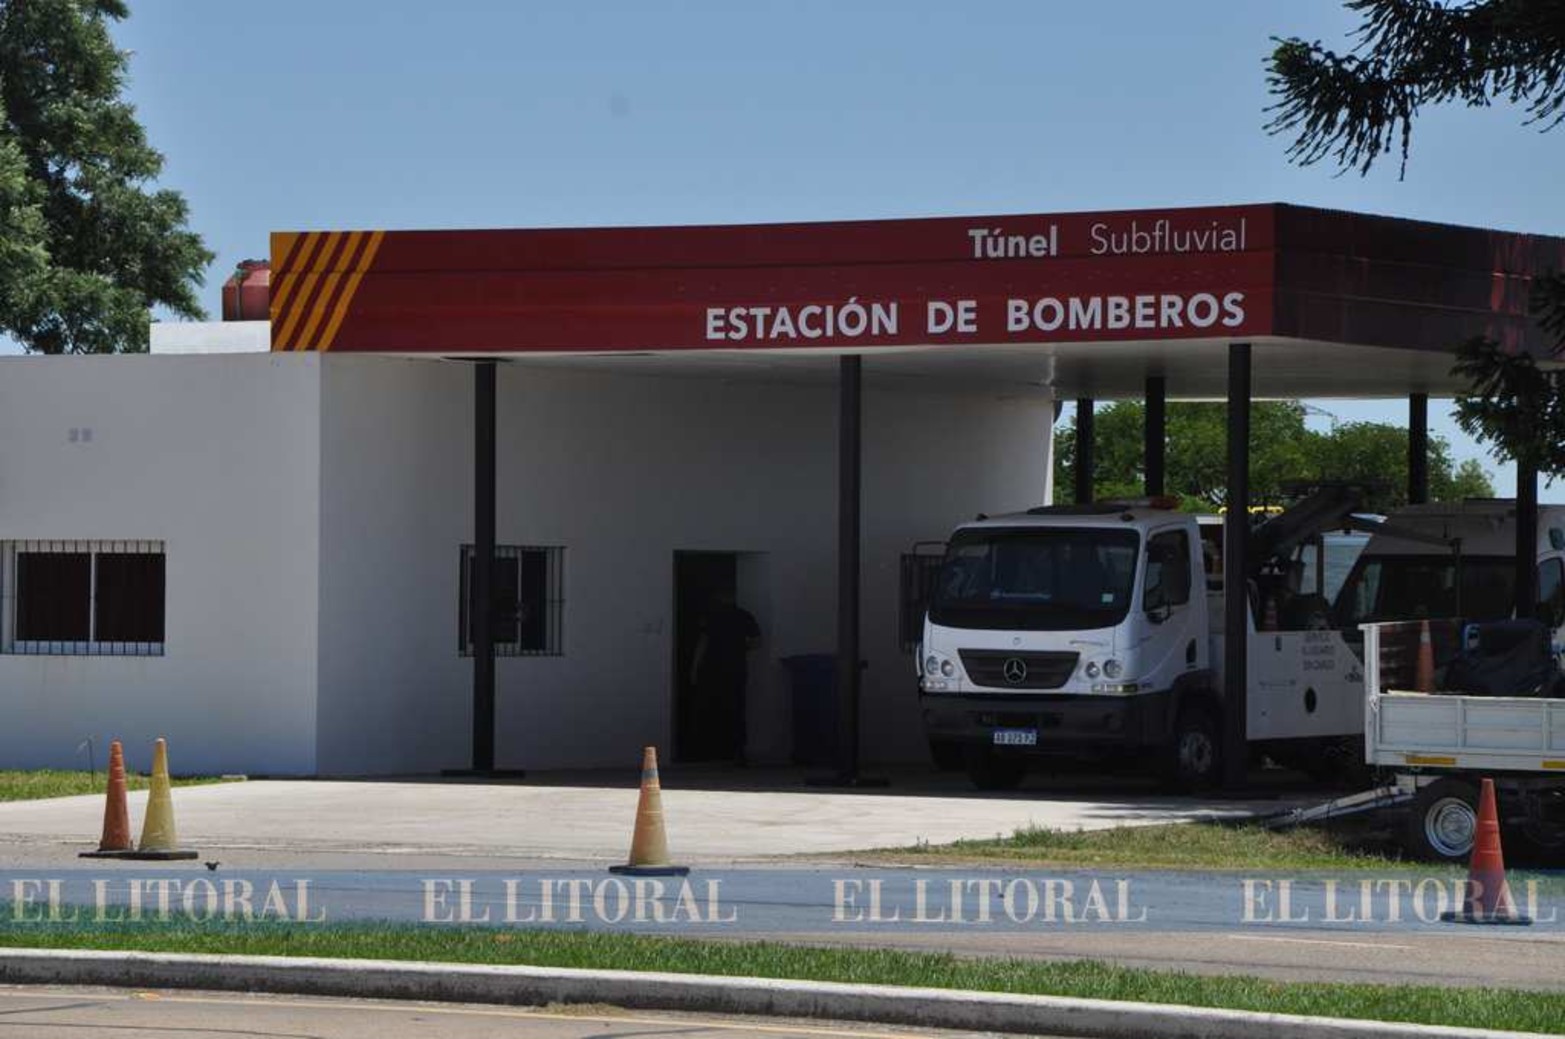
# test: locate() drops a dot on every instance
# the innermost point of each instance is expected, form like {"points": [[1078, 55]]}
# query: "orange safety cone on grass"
{"points": [[158, 838], [1424, 667], [649, 844], [1488, 898], [116, 813]]}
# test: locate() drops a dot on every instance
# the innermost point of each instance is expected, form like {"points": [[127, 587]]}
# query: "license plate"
{"points": [[1016, 737]]}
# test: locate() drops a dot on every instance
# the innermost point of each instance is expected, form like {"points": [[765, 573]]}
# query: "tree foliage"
{"points": [[87, 244], [1283, 449], [1515, 406], [1354, 108]]}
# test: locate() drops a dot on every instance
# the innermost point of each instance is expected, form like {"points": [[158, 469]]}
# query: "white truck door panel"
{"points": [[1303, 684]]}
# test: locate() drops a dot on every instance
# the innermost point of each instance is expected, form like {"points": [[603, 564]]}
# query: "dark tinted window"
{"points": [[1039, 580], [129, 602], [1388, 588], [528, 600], [1168, 569], [53, 596], [1551, 590]]}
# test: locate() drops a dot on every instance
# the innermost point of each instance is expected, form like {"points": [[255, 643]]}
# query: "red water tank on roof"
{"points": [[247, 294]]}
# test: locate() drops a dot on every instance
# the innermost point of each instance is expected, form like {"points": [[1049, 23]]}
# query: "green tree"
{"points": [[1375, 454], [1196, 460], [87, 245], [1514, 406], [1282, 450], [1354, 108], [1469, 481]]}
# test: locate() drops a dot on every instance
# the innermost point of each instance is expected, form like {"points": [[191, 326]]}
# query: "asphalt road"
{"points": [[1195, 920], [60, 1013]]}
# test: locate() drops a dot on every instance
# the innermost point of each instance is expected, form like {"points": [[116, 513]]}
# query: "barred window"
{"points": [[529, 601], [82, 597], [919, 570]]}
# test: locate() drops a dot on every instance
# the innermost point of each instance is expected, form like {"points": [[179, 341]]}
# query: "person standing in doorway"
{"points": [[718, 672]]}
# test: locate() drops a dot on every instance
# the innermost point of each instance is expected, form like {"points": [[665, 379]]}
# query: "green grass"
{"points": [[1177, 846], [1446, 1005], [50, 782]]}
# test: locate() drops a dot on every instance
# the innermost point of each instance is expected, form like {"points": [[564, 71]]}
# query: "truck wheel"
{"points": [[946, 755], [1538, 842], [1195, 752], [991, 772], [1443, 821]]}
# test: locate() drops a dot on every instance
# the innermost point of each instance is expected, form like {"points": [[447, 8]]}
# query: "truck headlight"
{"points": [[1112, 669], [931, 665], [947, 668], [1092, 669]]}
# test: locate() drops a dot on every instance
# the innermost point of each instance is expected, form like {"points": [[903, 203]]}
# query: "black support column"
{"points": [[481, 606], [1418, 449], [1526, 537], [1236, 547], [1155, 436], [850, 454], [849, 462], [1083, 471]]}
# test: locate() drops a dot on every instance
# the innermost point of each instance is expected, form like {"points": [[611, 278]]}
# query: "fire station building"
{"points": [[259, 540]]}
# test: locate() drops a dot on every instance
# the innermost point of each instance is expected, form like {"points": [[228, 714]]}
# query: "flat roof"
{"points": [[1087, 304]]}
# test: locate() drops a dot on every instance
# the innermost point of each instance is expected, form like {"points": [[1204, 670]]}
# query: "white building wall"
{"points": [[313, 509], [623, 471], [216, 457], [396, 504]]}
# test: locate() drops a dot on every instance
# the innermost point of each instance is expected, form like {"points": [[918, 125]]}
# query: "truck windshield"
{"points": [[1036, 580], [1389, 588]]}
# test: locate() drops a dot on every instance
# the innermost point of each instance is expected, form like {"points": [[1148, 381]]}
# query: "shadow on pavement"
{"points": [[1067, 782]]}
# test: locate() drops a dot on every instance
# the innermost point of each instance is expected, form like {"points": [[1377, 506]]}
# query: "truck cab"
{"points": [[1069, 629]]}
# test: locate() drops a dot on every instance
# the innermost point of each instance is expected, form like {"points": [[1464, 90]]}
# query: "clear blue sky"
{"points": [[341, 113]]}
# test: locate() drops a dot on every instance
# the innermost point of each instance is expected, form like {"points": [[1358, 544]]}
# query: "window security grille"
{"points": [[919, 570], [74, 598], [529, 601]]}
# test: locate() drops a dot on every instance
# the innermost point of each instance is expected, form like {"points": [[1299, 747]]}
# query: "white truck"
{"points": [[1098, 630], [1433, 745]]}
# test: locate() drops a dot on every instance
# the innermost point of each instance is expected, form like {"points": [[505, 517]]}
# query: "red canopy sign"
{"points": [[1228, 272]]}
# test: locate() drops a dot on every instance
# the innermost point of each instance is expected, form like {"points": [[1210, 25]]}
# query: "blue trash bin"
{"points": [[814, 680]]}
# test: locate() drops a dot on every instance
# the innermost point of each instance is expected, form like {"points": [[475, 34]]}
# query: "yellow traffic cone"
{"points": [[649, 844], [158, 839]]}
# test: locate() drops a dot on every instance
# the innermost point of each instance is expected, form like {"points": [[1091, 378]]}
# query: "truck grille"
{"points": [[998, 668]]}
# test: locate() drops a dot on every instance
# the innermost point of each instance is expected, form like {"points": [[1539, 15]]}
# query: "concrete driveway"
{"points": [[589, 817]]}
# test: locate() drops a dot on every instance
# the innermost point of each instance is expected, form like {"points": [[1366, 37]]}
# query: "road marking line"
{"points": [[412, 1006], [1315, 941]]}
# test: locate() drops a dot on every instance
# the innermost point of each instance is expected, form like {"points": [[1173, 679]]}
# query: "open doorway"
{"points": [[705, 717]]}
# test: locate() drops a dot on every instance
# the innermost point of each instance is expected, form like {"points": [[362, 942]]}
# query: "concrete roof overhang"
{"points": [[1087, 304]]}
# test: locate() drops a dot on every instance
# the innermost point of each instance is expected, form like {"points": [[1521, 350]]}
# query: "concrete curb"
{"points": [[701, 993]]}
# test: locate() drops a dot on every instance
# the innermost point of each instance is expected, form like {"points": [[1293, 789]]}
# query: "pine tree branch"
{"points": [[1354, 108]]}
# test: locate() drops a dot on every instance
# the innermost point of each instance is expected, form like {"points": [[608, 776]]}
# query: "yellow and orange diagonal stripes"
{"points": [[314, 278]]}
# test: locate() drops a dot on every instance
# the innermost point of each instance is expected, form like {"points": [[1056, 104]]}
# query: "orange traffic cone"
{"points": [[1424, 669], [159, 841], [1488, 895], [649, 845], [116, 814]]}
